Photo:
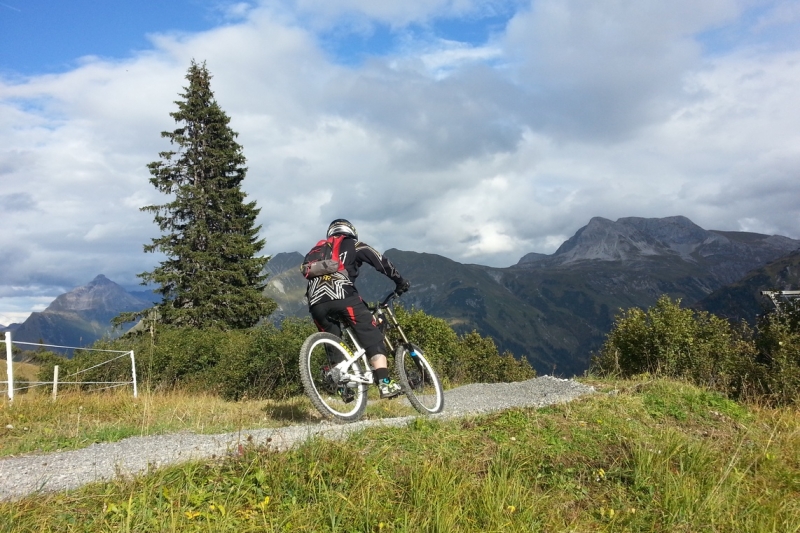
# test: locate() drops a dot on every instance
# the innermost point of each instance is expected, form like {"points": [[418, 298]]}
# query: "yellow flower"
{"points": [[263, 505], [511, 508]]}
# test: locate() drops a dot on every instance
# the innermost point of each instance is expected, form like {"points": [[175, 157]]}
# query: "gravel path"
{"points": [[20, 476]]}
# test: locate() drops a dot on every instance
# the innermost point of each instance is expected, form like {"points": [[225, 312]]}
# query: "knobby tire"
{"points": [[420, 382], [326, 397]]}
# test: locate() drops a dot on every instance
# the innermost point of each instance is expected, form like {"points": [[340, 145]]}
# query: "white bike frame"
{"points": [[339, 373]]}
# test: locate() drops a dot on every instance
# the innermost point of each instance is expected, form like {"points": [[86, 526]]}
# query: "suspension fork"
{"points": [[406, 343]]}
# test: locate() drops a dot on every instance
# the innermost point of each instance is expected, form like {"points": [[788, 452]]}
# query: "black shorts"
{"points": [[353, 312]]}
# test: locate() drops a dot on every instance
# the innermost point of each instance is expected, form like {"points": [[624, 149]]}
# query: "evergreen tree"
{"points": [[212, 275]]}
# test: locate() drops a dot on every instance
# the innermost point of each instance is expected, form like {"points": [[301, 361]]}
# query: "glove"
{"points": [[402, 286]]}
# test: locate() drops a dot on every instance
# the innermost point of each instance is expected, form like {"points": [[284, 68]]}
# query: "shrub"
{"points": [[707, 350], [466, 359], [436, 338], [479, 361], [267, 367], [778, 344], [262, 362]]}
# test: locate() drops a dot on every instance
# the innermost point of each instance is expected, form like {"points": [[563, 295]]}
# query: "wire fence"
{"points": [[11, 387]]}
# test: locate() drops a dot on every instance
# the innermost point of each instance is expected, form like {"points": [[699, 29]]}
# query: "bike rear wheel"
{"points": [[420, 382], [341, 402]]}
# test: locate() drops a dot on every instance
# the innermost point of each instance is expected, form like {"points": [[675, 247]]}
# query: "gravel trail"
{"points": [[20, 476]]}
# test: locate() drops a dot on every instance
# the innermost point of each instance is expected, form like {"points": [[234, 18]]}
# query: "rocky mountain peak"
{"points": [[604, 240], [100, 294]]}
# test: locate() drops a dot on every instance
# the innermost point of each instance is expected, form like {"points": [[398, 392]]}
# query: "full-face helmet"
{"points": [[341, 226]]}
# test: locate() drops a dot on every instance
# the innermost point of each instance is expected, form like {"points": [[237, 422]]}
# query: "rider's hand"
{"points": [[402, 286]]}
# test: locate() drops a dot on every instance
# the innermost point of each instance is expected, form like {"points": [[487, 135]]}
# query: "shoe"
{"points": [[389, 388]]}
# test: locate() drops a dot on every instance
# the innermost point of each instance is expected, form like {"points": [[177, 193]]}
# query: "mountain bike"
{"points": [[339, 391]]}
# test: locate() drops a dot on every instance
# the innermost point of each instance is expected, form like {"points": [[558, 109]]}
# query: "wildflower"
{"points": [[263, 505], [511, 509], [600, 475]]}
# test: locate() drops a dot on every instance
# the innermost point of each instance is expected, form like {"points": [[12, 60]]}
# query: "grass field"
{"points": [[638, 456]]}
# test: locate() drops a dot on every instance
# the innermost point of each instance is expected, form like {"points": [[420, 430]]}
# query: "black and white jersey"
{"points": [[340, 285]]}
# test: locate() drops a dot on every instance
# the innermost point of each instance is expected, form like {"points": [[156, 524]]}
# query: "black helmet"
{"points": [[341, 226]]}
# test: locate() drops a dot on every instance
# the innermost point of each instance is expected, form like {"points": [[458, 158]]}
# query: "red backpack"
{"points": [[323, 258]]}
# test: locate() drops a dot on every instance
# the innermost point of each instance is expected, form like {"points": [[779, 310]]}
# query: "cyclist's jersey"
{"points": [[340, 285]]}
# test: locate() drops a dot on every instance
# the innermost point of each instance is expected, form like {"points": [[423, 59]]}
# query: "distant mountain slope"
{"points": [[81, 316], [283, 262], [552, 309], [742, 300], [555, 309]]}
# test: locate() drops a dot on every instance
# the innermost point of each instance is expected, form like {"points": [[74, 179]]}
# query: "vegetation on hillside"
{"points": [[262, 362], [667, 340]]}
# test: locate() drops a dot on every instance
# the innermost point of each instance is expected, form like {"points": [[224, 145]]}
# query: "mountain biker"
{"points": [[333, 298]]}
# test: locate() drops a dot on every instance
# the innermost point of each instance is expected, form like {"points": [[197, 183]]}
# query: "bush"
{"points": [[437, 339], [480, 362], [466, 359], [268, 366], [262, 362], [778, 344], [705, 349]]}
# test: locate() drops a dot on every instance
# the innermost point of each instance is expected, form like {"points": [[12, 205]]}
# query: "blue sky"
{"points": [[476, 130], [45, 36]]}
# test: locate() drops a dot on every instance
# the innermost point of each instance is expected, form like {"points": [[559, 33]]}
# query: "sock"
{"points": [[381, 374]]}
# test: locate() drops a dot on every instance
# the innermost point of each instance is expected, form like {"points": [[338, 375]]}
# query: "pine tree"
{"points": [[212, 276]]}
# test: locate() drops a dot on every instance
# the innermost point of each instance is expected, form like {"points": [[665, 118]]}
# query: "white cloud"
{"points": [[478, 153]]}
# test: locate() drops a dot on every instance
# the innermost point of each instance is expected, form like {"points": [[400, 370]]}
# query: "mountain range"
{"points": [[552, 309], [83, 315], [556, 309]]}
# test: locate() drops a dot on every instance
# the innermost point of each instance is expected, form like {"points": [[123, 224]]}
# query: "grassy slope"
{"points": [[639, 456]]}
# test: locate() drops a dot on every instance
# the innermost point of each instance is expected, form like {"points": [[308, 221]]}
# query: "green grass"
{"points": [[651, 456]]}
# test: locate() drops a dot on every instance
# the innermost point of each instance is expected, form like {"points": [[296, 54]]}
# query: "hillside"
{"points": [[555, 309], [742, 300]]}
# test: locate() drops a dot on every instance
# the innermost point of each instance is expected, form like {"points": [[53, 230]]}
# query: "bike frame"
{"points": [[379, 311], [349, 377]]}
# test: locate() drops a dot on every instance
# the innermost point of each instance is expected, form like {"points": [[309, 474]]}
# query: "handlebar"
{"points": [[385, 303], [389, 297]]}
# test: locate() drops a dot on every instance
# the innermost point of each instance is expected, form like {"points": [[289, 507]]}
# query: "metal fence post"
{"points": [[10, 366], [133, 370], [55, 382]]}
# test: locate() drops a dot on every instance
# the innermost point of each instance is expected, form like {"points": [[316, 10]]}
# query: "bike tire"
{"points": [[420, 383], [330, 403]]}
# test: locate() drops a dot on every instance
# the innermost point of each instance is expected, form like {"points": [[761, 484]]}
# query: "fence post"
{"points": [[10, 366], [55, 382], [133, 369]]}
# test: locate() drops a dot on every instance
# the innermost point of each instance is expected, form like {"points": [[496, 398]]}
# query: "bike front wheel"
{"points": [[338, 401], [420, 382]]}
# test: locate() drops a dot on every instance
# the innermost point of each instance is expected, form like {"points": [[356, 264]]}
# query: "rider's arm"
{"points": [[367, 254]]}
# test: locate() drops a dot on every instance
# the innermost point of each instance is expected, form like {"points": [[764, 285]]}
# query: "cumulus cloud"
{"points": [[482, 152]]}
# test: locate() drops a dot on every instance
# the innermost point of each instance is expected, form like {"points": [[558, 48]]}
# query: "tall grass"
{"points": [[640, 456]]}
